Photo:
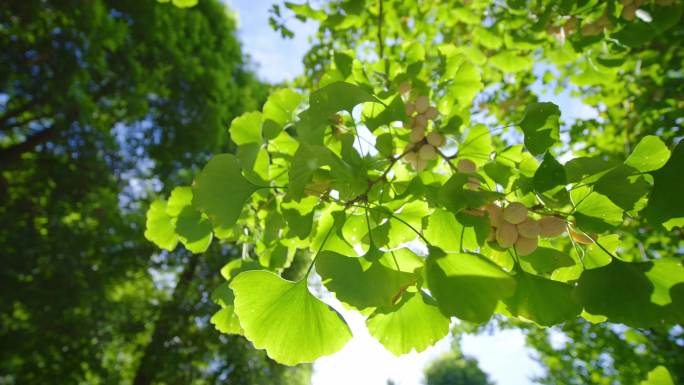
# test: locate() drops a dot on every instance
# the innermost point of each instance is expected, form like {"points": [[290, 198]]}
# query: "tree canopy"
{"points": [[422, 168], [102, 103]]}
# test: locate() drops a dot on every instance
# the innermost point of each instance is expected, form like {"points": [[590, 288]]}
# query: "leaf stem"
{"points": [[405, 223], [313, 261]]}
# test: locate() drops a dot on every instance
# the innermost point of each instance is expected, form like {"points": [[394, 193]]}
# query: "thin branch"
{"points": [[381, 45]]}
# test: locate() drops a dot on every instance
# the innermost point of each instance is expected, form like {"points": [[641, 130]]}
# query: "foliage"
{"points": [[130, 92], [423, 156], [454, 369], [594, 353]]}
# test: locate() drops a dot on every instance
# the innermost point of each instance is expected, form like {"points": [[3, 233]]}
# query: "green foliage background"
{"points": [[96, 97], [109, 105]]}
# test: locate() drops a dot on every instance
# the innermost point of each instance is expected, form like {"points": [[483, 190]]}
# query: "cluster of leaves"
{"points": [[402, 247], [305, 182], [99, 100]]}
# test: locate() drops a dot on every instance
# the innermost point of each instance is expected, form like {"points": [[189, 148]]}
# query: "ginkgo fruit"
{"points": [[422, 104], [466, 166], [515, 213], [529, 228], [427, 152], [420, 121], [417, 134], [551, 227], [506, 235], [472, 183], [431, 113], [525, 246], [495, 214], [410, 108], [436, 139], [404, 88]]}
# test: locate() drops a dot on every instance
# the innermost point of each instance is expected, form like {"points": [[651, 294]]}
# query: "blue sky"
{"points": [[364, 361]]}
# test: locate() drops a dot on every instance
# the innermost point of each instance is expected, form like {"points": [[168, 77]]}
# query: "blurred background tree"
{"points": [[454, 368], [101, 101]]}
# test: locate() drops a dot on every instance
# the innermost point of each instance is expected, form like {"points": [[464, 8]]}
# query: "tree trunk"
{"points": [[149, 363]]}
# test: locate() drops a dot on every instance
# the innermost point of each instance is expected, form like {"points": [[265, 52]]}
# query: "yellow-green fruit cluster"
{"points": [[630, 7], [422, 148], [512, 226], [467, 166]]}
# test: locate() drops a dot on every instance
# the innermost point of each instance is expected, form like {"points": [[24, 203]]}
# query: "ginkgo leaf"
{"points": [[637, 294], [326, 101], [545, 260], [542, 300], [159, 228], [549, 182], [662, 208], [466, 83], [360, 282], [477, 145], [285, 319], [658, 376], [454, 195], [465, 285], [541, 126], [595, 212], [194, 230], [414, 323], [226, 321], [511, 61], [246, 128], [650, 154], [278, 111], [220, 190]]}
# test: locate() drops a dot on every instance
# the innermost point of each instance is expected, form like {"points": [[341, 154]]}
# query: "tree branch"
{"points": [[149, 363], [381, 45], [13, 153]]}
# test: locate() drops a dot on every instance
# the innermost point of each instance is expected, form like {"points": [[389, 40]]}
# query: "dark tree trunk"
{"points": [[162, 329]]}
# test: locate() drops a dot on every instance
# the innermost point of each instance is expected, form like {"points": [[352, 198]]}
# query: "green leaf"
{"points": [[596, 213], [622, 186], [338, 96], [541, 126], [467, 286], [226, 321], [284, 318], [414, 323], [510, 61], [298, 225], [220, 190], [159, 228], [636, 294], [279, 109], [454, 196], [444, 231], [384, 144], [549, 175], [595, 256], [477, 146], [380, 115], [466, 83], [650, 154], [360, 282], [667, 185], [194, 230], [658, 376], [545, 260], [543, 301], [580, 169], [246, 128], [549, 182], [343, 62]]}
